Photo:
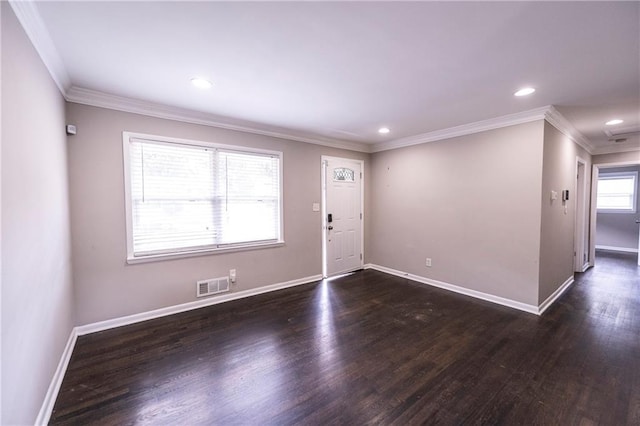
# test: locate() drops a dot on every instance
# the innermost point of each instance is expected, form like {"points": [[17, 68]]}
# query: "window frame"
{"points": [[617, 175], [132, 258]]}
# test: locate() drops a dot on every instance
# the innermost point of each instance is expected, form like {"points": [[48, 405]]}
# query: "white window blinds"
{"points": [[186, 197]]}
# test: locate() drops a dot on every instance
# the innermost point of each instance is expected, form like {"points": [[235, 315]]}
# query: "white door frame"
{"points": [[581, 223], [594, 203], [323, 188]]}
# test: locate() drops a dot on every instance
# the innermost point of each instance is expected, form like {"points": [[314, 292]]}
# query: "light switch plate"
{"points": [[316, 207]]}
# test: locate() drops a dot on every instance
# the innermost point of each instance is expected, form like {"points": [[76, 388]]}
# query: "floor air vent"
{"points": [[212, 286]]}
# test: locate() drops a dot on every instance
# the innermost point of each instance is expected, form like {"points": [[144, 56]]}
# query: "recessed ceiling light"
{"points": [[524, 91], [613, 122], [201, 83], [383, 130]]}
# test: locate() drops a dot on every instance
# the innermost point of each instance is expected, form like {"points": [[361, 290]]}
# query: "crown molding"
{"points": [[33, 25], [119, 103], [548, 113], [29, 17], [465, 129], [563, 125]]}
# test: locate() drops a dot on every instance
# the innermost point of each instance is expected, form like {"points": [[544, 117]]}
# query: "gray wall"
{"points": [[619, 157], [557, 227], [619, 229], [471, 203], [477, 205], [106, 287], [37, 297]]}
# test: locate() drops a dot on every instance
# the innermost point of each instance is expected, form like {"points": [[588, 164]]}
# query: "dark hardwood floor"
{"points": [[371, 349]]}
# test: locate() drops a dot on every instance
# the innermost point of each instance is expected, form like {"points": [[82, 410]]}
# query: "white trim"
{"points": [[323, 212], [119, 103], [581, 231], [563, 125], [465, 129], [129, 137], [182, 141], [31, 21], [603, 175], [195, 253], [592, 213], [594, 194], [95, 98], [170, 310], [611, 211], [555, 295], [548, 113], [532, 309], [323, 187], [54, 387], [616, 249]]}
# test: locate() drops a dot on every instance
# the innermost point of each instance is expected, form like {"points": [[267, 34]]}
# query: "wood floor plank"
{"points": [[370, 348]]}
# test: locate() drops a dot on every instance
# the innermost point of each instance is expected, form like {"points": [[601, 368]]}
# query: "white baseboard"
{"points": [[54, 387], [555, 295], [170, 310], [52, 393], [532, 309], [618, 249]]}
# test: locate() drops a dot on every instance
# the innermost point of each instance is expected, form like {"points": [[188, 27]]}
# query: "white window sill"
{"points": [[132, 260], [615, 211]]}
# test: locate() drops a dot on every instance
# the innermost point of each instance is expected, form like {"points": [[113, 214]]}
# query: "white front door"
{"points": [[342, 215]]}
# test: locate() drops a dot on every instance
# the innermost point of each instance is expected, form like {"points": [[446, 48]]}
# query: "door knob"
{"points": [[329, 227]]}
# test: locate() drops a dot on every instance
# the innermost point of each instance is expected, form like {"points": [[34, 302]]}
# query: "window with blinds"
{"points": [[617, 192], [188, 197]]}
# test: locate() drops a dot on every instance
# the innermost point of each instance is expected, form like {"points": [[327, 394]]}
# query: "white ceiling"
{"points": [[340, 70]]}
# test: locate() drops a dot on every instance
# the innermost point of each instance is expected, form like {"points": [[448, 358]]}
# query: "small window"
{"points": [[342, 174], [617, 192], [186, 197]]}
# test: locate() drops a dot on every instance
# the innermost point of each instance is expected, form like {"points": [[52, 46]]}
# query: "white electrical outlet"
{"points": [[232, 275], [428, 262]]}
